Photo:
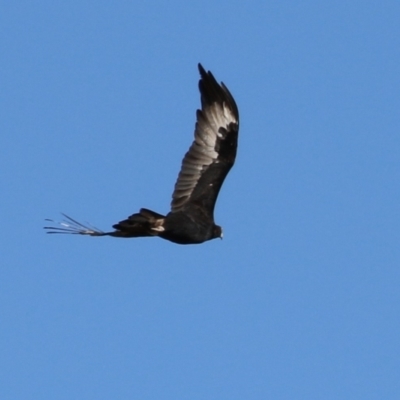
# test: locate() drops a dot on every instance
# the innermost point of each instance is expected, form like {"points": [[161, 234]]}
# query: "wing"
{"points": [[213, 151]]}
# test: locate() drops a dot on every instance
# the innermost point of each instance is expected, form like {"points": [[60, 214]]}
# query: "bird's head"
{"points": [[217, 232]]}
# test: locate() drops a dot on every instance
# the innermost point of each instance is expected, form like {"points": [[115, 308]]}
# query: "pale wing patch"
{"points": [[158, 229], [202, 152]]}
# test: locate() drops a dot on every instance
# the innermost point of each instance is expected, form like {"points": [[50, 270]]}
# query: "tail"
{"points": [[72, 227], [144, 223]]}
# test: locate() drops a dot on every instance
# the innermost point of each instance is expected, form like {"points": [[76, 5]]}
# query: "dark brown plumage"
{"points": [[203, 171]]}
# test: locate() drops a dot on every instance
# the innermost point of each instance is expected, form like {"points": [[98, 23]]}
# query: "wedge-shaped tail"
{"points": [[144, 223]]}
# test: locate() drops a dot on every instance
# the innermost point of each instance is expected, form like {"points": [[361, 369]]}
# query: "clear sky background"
{"points": [[301, 300]]}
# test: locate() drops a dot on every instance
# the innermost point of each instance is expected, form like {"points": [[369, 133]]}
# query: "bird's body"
{"points": [[204, 168]]}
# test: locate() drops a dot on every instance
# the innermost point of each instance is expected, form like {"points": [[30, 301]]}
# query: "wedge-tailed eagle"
{"points": [[204, 168]]}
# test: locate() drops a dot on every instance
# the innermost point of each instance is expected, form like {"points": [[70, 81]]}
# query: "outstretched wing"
{"points": [[213, 152]]}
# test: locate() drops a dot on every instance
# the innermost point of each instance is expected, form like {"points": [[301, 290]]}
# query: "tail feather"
{"points": [[143, 223], [73, 227]]}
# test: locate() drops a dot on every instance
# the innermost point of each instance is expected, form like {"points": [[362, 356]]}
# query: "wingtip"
{"points": [[201, 69]]}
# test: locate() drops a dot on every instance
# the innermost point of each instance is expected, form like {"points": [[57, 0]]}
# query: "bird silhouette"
{"points": [[204, 169]]}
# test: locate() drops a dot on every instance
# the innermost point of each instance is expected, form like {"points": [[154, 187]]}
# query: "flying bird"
{"points": [[204, 169]]}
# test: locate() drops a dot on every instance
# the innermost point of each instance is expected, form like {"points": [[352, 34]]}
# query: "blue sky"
{"points": [[300, 300]]}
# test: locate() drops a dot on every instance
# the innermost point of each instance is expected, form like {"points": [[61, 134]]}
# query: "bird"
{"points": [[204, 169]]}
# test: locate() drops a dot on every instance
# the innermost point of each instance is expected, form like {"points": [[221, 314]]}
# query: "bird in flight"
{"points": [[204, 169]]}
